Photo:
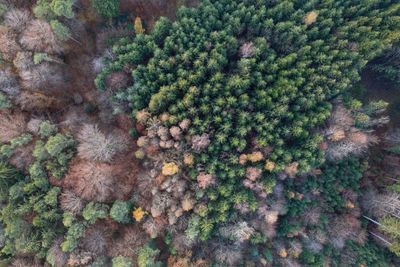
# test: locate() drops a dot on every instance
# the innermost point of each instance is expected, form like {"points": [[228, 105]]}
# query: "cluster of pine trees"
{"points": [[259, 70]]}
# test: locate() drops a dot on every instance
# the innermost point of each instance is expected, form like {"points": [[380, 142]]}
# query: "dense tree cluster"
{"points": [[31, 215], [389, 64], [230, 136], [245, 70]]}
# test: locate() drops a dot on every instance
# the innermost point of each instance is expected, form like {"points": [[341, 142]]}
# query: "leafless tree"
{"points": [[200, 142], [8, 44], [247, 50], [380, 205], [39, 37], [92, 181], [44, 76], [117, 80], [8, 83], [58, 257], [23, 60], [240, 231], [11, 125], [153, 227], [71, 202], [229, 255], [33, 101], [96, 146], [17, 19], [393, 137], [95, 241]]}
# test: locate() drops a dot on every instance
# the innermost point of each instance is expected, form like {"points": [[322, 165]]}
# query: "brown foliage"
{"points": [[80, 258], [39, 37], [12, 124], [341, 117], [253, 173]]}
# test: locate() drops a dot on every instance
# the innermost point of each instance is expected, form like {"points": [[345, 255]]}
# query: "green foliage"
{"points": [[31, 215], [46, 128], [8, 177], [57, 143], [99, 262], [60, 30], [311, 259], [6, 150], [30, 198], [4, 101], [121, 211], [193, 228], [121, 261], [68, 219], [147, 257], [336, 177], [50, 9], [388, 64], [3, 8], [106, 8], [63, 8], [60, 149], [21, 140], [71, 239], [39, 58], [94, 211], [394, 149], [276, 87], [43, 10], [368, 254]]}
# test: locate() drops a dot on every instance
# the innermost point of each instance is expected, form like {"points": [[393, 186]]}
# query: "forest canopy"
{"points": [[253, 74], [199, 133]]}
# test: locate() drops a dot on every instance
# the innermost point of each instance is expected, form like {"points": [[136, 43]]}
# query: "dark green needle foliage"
{"points": [[106, 8], [263, 69]]}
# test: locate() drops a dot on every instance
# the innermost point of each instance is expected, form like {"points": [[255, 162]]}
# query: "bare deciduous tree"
{"points": [[71, 202], [95, 241], [8, 44], [96, 146], [11, 125], [23, 60], [17, 19], [57, 257], [92, 181], [39, 37], [33, 101], [42, 77]]}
